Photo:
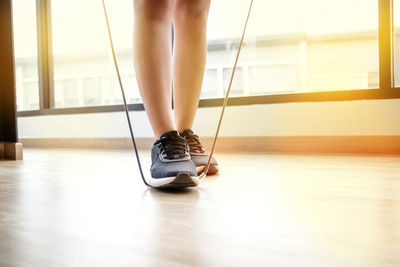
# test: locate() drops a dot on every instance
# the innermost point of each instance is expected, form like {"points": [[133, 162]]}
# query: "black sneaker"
{"points": [[198, 153], [171, 164]]}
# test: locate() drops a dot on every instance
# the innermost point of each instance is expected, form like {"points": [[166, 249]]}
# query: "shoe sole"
{"points": [[182, 180], [214, 169]]}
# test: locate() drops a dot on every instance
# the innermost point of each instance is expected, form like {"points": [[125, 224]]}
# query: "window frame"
{"points": [[386, 89]]}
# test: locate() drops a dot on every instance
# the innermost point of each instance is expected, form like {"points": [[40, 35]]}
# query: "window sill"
{"points": [[363, 94]]}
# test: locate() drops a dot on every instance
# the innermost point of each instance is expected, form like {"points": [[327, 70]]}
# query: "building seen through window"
{"points": [[313, 46], [26, 56]]}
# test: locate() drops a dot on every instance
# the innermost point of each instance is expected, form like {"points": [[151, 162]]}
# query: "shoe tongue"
{"points": [[187, 132], [170, 134]]}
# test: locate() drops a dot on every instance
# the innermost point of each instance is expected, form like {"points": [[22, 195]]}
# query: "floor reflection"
{"points": [[175, 223]]}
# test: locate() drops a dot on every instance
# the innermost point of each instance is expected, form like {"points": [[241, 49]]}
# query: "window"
{"points": [[315, 45], [84, 73], [26, 57], [396, 42], [293, 51]]}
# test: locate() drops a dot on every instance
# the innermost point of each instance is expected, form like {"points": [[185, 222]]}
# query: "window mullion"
{"points": [[45, 55], [385, 45]]}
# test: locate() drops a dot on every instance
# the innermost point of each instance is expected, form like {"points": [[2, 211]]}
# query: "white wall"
{"points": [[361, 117]]}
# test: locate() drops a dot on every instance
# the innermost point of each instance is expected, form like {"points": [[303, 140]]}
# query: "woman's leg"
{"points": [[190, 49], [152, 52]]}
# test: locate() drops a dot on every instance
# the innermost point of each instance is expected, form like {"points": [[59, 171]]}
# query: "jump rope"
{"points": [[126, 106]]}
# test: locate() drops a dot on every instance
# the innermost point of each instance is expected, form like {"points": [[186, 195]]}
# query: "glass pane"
{"points": [[84, 72], [315, 45], [26, 58], [210, 82], [238, 85], [396, 43]]}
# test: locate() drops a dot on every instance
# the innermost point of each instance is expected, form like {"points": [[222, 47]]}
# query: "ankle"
{"points": [[159, 133]]}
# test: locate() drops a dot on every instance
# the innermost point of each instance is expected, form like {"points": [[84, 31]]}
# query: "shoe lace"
{"points": [[174, 147], [194, 143]]}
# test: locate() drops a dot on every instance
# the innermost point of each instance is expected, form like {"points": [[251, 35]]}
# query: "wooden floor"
{"points": [[89, 208]]}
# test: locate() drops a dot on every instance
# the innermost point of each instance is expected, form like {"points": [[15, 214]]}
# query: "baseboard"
{"points": [[265, 144], [11, 151]]}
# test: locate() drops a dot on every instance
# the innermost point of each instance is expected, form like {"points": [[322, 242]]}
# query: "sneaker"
{"points": [[198, 153], [171, 164]]}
